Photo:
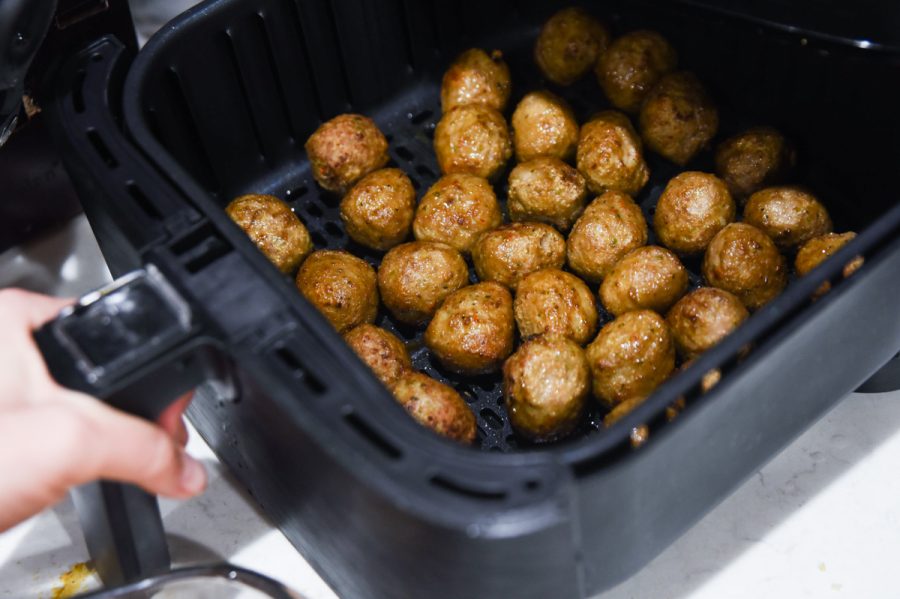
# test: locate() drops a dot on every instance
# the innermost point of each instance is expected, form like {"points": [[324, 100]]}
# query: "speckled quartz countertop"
{"points": [[822, 519]]}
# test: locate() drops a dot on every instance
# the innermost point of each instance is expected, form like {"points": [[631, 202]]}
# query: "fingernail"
{"points": [[193, 475]]}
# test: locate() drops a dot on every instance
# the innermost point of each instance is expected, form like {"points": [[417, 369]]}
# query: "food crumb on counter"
{"points": [[72, 581]]}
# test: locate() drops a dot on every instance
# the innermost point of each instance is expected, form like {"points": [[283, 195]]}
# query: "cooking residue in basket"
{"points": [[72, 581]]}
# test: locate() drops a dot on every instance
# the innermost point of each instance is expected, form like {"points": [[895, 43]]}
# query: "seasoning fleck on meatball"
{"points": [[437, 406], [341, 286], [610, 155], [544, 125], [382, 352], [678, 118], [632, 65], [789, 215], [744, 260], [378, 211], [546, 190], [648, 278], [753, 159], [611, 226], [511, 252], [456, 210], [702, 318], [691, 210], [817, 250], [569, 44], [476, 78], [553, 302], [414, 278], [274, 228], [472, 139], [344, 150]]}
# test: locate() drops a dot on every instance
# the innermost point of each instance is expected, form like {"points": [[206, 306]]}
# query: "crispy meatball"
{"points": [[553, 302], [546, 385], [702, 318], [648, 278], [437, 406], [610, 155], [344, 150], [789, 215], [378, 211], [509, 253], [544, 125], [382, 352], [569, 44], [817, 250], [341, 286], [472, 331], [631, 356], [476, 78], [749, 161], [611, 226], [472, 139], [691, 210], [274, 228], [678, 118], [546, 190], [632, 65], [414, 278], [456, 210], [744, 260]]}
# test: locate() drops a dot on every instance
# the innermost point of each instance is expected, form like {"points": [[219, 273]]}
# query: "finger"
{"points": [[35, 309], [171, 418]]}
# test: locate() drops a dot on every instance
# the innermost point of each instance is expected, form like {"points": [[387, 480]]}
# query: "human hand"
{"points": [[55, 438]]}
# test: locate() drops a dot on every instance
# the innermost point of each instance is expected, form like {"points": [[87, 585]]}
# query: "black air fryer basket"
{"points": [[220, 103]]}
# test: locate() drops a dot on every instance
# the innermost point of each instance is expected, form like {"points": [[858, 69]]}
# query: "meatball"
{"points": [[382, 352], [553, 302], [691, 210], [648, 278], [546, 190], [632, 65], [476, 78], [702, 318], [472, 331], [414, 278], [437, 406], [789, 215], [569, 44], [751, 160], [817, 250], [341, 286], [744, 260], [274, 228], [378, 211], [678, 118], [611, 226], [456, 210], [472, 139], [344, 150], [543, 124], [509, 253], [609, 154], [546, 385], [631, 356]]}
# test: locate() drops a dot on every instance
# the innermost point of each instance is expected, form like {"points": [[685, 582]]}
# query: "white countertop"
{"points": [[820, 520]]}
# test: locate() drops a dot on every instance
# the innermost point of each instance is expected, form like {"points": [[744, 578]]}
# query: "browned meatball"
{"points": [[611, 226], [610, 155], [472, 331], [341, 286], [414, 278], [789, 215], [378, 211], [678, 118], [437, 406], [382, 352], [274, 228], [702, 318], [344, 150], [546, 385], [744, 260], [509, 253], [691, 210], [546, 190], [544, 125], [749, 161], [553, 302], [569, 44], [817, 250], [472, 139], [649, 278], [632, 65], [456, 210], [631, 357], [476, 78]]}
